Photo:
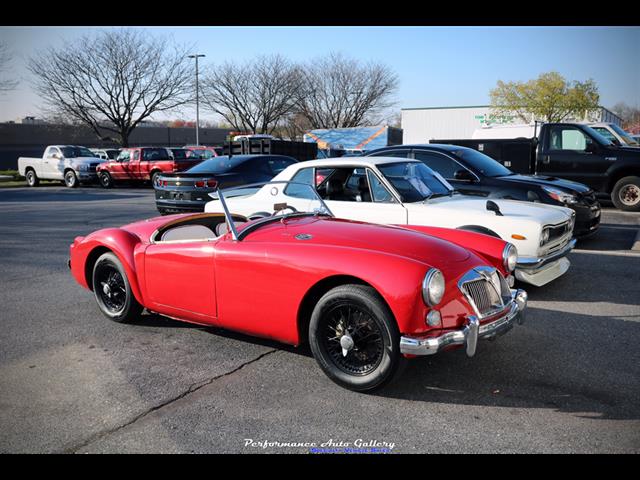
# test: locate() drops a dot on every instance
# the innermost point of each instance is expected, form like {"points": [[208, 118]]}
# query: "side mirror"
{"points": [[493, 207], [463, 175]]}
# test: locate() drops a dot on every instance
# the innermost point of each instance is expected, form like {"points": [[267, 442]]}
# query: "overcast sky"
{"points": [[437, 66]]}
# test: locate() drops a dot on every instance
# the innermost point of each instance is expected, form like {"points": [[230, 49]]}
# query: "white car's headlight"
{"points": [[544, 237], [433, 287], [560, 195], [82, 167], [510, 257]]}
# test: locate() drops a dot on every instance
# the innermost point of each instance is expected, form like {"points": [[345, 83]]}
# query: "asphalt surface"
{"points": [[71, 381]]}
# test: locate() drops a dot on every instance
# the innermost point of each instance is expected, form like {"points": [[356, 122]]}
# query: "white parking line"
{"points": [[613, 253]]}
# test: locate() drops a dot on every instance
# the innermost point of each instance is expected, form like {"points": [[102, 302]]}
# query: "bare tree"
{"points": [[6, 84], [254, 96], [630, 115], [113, 81], [342, 92]]}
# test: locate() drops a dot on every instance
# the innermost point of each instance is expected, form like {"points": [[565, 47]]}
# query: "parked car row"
{"points": [[75, 164], [573, 151]]}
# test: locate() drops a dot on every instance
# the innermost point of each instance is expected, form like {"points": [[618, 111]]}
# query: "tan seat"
{"points": [[188, 232]]}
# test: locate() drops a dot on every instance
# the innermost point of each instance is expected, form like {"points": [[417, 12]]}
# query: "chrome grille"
{"points": [[557, 231], [486, 290], [484, 296]]}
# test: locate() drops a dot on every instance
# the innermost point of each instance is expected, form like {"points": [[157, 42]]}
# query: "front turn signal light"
{"points": [[518, 237]]}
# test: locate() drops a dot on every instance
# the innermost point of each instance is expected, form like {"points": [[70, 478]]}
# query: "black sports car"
{"points": [[473, 173], [188, 191]]}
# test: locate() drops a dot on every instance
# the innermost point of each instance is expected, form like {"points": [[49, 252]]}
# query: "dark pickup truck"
{"points": [[573, 151]]}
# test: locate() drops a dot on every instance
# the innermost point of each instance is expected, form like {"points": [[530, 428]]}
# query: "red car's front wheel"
{"points": [[355, 339]]}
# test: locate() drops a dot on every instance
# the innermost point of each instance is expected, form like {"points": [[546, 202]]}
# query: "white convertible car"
{"points": [[402, 191]]}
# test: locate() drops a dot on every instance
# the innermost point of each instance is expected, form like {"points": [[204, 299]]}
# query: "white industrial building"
{"points": [[420, 125]]}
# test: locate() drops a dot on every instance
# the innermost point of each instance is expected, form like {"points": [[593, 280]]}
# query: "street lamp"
{"points": [[196, 56]]}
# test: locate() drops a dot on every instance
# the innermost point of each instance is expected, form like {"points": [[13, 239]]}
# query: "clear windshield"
{"points": [[275, 199], [75, 152], [483, 163], [414, 181]]}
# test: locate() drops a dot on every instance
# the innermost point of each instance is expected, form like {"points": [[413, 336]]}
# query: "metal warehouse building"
{"points": [[419, 125]]}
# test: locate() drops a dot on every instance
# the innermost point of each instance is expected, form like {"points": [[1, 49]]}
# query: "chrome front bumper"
{"points": [[528, 263], [469, 335]]}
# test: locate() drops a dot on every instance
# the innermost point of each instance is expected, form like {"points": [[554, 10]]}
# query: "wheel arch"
{"points": [[617, 174], [315, 293], [123, 249]]}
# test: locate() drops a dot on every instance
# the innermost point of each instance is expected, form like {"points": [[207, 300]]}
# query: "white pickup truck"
{"points": [[69, 163]]}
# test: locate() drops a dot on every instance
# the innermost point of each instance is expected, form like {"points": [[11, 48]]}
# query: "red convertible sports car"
{"points": [[364, 296]]}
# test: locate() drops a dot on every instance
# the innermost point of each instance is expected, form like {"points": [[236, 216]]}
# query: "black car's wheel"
{"points": [[626, 194], [355, 339], [70, 179], [105, 180], [32, 178], [154, 178], [113, 290]]}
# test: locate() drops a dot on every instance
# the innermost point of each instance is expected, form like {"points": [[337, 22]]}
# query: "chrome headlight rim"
{"points": [[544, 236], [509, 257], [430, 297]]}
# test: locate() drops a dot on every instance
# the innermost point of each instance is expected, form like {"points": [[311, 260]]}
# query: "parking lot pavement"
{"points": [[568, 380]]}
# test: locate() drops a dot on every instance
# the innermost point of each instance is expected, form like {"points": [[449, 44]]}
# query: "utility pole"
{"points": [[196, 56]]}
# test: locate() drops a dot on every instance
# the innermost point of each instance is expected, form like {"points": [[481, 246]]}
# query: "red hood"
{"points": [[352, 234], [339, 233]]}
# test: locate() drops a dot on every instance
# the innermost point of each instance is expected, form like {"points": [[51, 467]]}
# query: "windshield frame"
{"points": [[626, 136], [219, 195]]}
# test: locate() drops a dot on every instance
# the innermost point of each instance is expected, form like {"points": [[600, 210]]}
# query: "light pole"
{"points": [[196, 56]]}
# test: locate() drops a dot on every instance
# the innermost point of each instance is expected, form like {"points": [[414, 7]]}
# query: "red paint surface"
{"points": [[257, 285]]}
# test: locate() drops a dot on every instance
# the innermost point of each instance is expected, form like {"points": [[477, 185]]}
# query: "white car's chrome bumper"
{"points": [[469, 335], [539, 271]]}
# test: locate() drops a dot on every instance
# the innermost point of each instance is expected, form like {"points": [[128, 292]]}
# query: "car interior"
{"points": [[344, 184], [200, 228]]}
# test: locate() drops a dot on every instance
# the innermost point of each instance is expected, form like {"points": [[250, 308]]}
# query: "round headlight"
{"points": [[433, 287], [544, 238], [510, 257]]}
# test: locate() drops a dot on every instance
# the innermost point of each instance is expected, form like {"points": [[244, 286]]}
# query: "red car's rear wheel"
{"points": [[355, 339], [113, 290]]}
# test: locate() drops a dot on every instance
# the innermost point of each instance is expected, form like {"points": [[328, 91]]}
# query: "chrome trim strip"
{"points": [[534, 263], [471, 333]]}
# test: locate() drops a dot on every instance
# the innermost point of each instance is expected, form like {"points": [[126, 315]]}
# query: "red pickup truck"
{"points": [[141, 164]]}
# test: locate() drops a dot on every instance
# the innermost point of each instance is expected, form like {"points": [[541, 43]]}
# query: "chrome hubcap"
{"points": [[630, 194], [346, 342]]}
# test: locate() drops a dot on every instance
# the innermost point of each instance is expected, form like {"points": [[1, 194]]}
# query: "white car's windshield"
{"points": [[279, 199], [414, 181]]}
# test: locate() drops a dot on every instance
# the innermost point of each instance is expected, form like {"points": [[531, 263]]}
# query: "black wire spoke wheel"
{"points": [[348, 326], [113, 291], [111, 287], [355, 339]]}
